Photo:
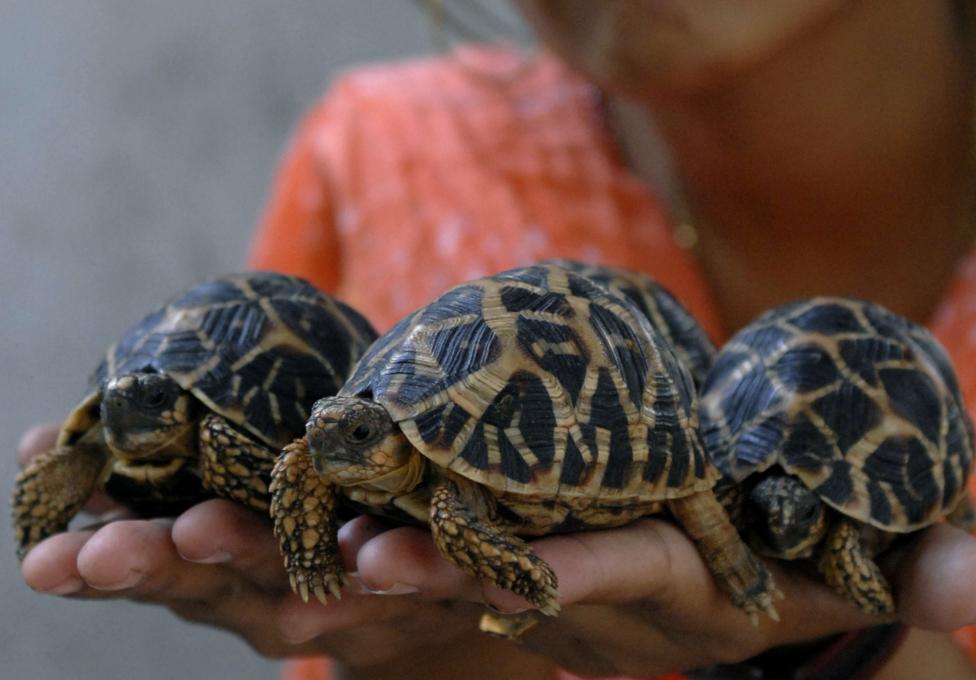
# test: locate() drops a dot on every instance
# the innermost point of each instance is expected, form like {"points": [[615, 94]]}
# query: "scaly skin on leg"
{"points": [[52, 490], [737, 570], [234, 466], [303, 507], [733, 500], [851, 573], [485, 551]]}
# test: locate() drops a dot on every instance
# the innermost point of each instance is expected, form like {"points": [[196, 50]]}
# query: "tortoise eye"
{"points": [[154, 398], [361, 433], [808, 512]]}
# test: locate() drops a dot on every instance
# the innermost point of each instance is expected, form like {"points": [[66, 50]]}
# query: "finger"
{"points": [[405, 560], [36, 440], [138, 560], [225, 533], [298, 622], [654, 562], [359, 606], [51, 566], [356, 533], [933, 579], [617, 565], [650, 563], [98, 563]]}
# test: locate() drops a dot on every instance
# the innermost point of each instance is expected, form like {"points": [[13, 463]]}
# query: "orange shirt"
{"points": [[408, 179]]}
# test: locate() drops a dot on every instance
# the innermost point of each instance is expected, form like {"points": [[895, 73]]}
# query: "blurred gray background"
{"points": [[137, 139]]}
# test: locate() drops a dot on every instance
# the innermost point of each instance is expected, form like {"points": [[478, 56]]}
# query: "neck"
{"points": [[401, 480], [815, 172]]}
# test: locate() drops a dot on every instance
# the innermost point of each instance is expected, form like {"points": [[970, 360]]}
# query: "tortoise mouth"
{"points": [[150, 447], [148, 471], [327, 462]]}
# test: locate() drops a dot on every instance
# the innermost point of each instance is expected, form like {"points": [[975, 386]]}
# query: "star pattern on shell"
{"points": [[861, 404]]}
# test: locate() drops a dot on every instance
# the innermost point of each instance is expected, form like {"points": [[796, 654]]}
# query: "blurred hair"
{"points": [[473, 21]]}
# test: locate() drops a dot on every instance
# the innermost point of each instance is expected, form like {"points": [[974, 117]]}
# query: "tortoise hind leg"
{"points": [[737, 570], [481, 549], [51, 490], [851, 573], [233, 465]]}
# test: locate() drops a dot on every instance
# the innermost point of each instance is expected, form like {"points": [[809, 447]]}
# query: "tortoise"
{"points": [[840, 426], [195, 401], [667, 315], [521, 404]]}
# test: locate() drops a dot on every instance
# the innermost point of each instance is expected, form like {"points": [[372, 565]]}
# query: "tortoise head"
{"points": [[146, 416], [787, 517], [354, 442]]}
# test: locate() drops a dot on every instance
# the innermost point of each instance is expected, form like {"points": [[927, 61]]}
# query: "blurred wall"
{"points": [[137, 138]]}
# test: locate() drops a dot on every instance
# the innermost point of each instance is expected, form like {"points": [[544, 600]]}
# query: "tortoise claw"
{"points": [[764, 604], [548, 601], [332, 586], [306, 585]]}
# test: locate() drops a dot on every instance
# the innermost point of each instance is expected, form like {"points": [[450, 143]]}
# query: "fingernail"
{"points": [[395, 589], [69, 587], [131, 580], [219, 557]]}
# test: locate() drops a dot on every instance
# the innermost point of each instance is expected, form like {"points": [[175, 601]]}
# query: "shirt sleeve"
{"points": [[296, 233]]}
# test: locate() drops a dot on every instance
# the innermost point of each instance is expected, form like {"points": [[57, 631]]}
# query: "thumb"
{"points": [[933, 579]]}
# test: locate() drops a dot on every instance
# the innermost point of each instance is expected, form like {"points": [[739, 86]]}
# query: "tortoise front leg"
{"points": [[51, 490], [733, 500], [737, 570], [485, 551], [851, 573], [234, 466], [303, 507]]}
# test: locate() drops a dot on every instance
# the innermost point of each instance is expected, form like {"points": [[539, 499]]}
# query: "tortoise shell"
{"points": [[256, 348], [667, 315], [860, 404], [539, 382]]}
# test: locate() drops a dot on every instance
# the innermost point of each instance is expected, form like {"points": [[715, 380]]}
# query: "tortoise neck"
{"points": [[403, 479]]}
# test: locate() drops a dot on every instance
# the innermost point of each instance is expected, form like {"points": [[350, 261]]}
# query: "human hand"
{"points": [[636, 600], [219, 564], [639, 601]]}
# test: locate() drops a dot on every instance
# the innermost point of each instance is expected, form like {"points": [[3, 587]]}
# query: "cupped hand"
{"points": [[639, 601], [636, 600], [219, 564]]}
